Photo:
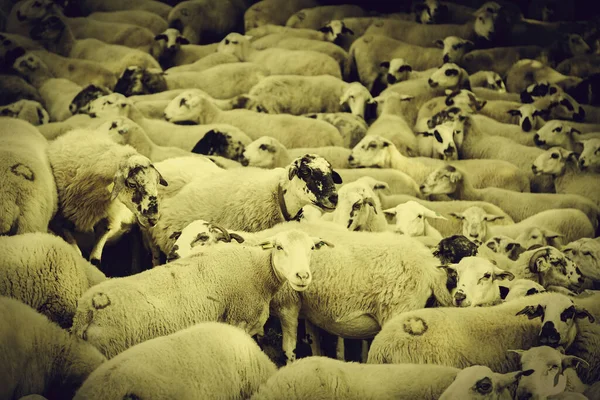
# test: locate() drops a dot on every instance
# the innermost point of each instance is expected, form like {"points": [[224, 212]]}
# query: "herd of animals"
{"points": [[295, 199]]}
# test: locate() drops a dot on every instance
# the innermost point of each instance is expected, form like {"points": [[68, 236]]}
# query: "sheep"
{"points": [[240, 76], [452, 249], [30, 259], [397, 70], [526, 72], [582, 65], [539, 236], [398, 182], [563, 166], [436, 12], [552, 372], [224, 139], [411, 219], [392, 126], [375, 151], [351, 127], [39, 356], [274, 12], [14, 88], [474, 223], [99, 318], [328, 378], [206, 21], [439, 142], [290, 130], [294, 94], [147, 19], [588, 159], [212, 60], [455, 183], [280, 61], [557, 133], [268, 152], [29, 198], [242, 367], [487, 79], [271, 29], [316, 17], [504, 323], [585, 252], [520, 288], [478, 382], [90, 6], [562, 105], [97, 179], [172, 49], [27, 110], [58, 38], [498, 59]]}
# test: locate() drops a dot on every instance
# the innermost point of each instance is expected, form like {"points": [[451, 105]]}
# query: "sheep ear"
{"points": [[385, 64], [390, 211], [500, 274], [532, 311], [249, 37], [380, 185], [337, 179], [347, 30], [161, 36], [326, 29], [161, 180], [439, 43], [293, 170], [514, 113], [491, 217], [237, 237], [573, 362], [266, 245], [457, 215], [182, 40], [519, 352], [320, 243], [581, 313], [117, 185]]}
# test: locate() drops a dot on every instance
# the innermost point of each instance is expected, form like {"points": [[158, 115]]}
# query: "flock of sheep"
{"points": [[336, 203]]}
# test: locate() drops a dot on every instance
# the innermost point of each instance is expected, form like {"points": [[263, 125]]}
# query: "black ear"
{"points": [[532, 311], [293, 171], [449, 101], [514, 113], [405, 68], [313, 116], [347, 30], [161, 36], [451, 72], [337, 179], [213, 143], [503, 292], [438, 137], [182, 40], [579, 116], [552, 90], [326, 29], [385, 64]]}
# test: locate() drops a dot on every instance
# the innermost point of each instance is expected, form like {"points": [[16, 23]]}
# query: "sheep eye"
{"points": [[182, 102], [234, 42], [557, 129], [534, 237], [554, 155], [355, 206], [487, 276], [262, 147], [278, 247], [553, 367], [586, 253], [131, 185], [419, 216], [226, 41]]}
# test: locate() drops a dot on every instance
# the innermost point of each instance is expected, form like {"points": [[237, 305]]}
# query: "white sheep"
{"points": [[441, 142], [589, 159], [351, 127], [455, 183], [294, 94], [279, 29], [189, 370], [27, 110], [280, 61], [273, 12], [290, 130], [172, 49], [40, 357], [155, 23], [211, 60], [488, 79], [375, 151], [328, 378], [519, 288], [397, 70], [461, 337], [563, 166], [316, 17], [90, 6], [558, 133], [392, 126], [97, 180], [585, 253], [411, 219], [268, 152], [397, 182], [29, 199], [526, 72], [480, 382], [206, 282], [46, 273]]}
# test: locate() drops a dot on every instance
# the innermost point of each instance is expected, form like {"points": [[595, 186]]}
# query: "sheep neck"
{"points": [[397, 161], [283, 206], [569, 170], [65, 43], [465, 191]]}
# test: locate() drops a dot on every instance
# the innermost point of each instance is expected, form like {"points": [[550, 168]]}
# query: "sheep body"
{"points": [[29, 197], [27, 110], [317, 17], [352, 127], [499, 59], [91, 6], [189, 371], [275, 12], [146, 19]]}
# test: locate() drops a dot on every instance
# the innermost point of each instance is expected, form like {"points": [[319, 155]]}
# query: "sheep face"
{"points": [[183, 109], [552, 162], [505, 245], [136, 186], [183, 17], [121, 130], [554, 133], [170, 42], [589, 159], [47, 30], [262, 153], [27, 110], [430, 12], [576, 45], [196, 235], [452, 249], [528, 116], [493, 81], [355, 207], [555, 269], [444, 145], [290, 257], [33, 10], [411, 218], [463, 100], [540, 89], [558, 314], [547, 378], [335, 30], [585, 253], [112, 105], [29, 65], [449, 76], [538, 236], [136, 81], [453, 48], [444, 180], [479, 382], [313, 181], [477, 282], [81, 101], [485, 22], [398, 70], [356, 97], [371, 152], [225, 144], [474, 225], [237, 45]]}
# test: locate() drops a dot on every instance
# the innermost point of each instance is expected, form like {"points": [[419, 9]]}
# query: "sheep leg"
{"points": [[150, 245], [103, 230], [364, 354], [312, 332], [288, 317], [340, 349]]}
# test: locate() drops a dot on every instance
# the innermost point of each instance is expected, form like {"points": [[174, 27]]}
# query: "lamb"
{"points": [[274, 12], [27, 110], [557, 133], [411, 219], [526, 72], [290, 130], [375, 151], [241, 77], [147, 19], [39, 356], [477, 381], [97, 179], [439, 142], [29, 199], [27, 263], [280, 61], [207, 21], [505, 323], [351, 127], [589, 159], [316, 17], [58, 38], [585, 253], [455, 183], [563, 166], [218, 271], [294, 94], [268, 152], [242, 366], [571, 224], [90, 6], [329, 378], [392, 126]]}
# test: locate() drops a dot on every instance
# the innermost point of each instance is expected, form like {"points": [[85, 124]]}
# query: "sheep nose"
{"points": [[333, 199], [449, 151], [430, 81], [303, 275], [524, 396], [459, 297], [245, 162], [446, 58], [350, 158], [422, 187], [526, 125], [534, 169], [582, 163], [152, 222], [549, 336]]}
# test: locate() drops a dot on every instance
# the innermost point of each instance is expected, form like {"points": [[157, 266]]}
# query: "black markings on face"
{"points": [[213, 143], [415, 326], [23, 171], [567, 314], [85, 96], [318, 182]]}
